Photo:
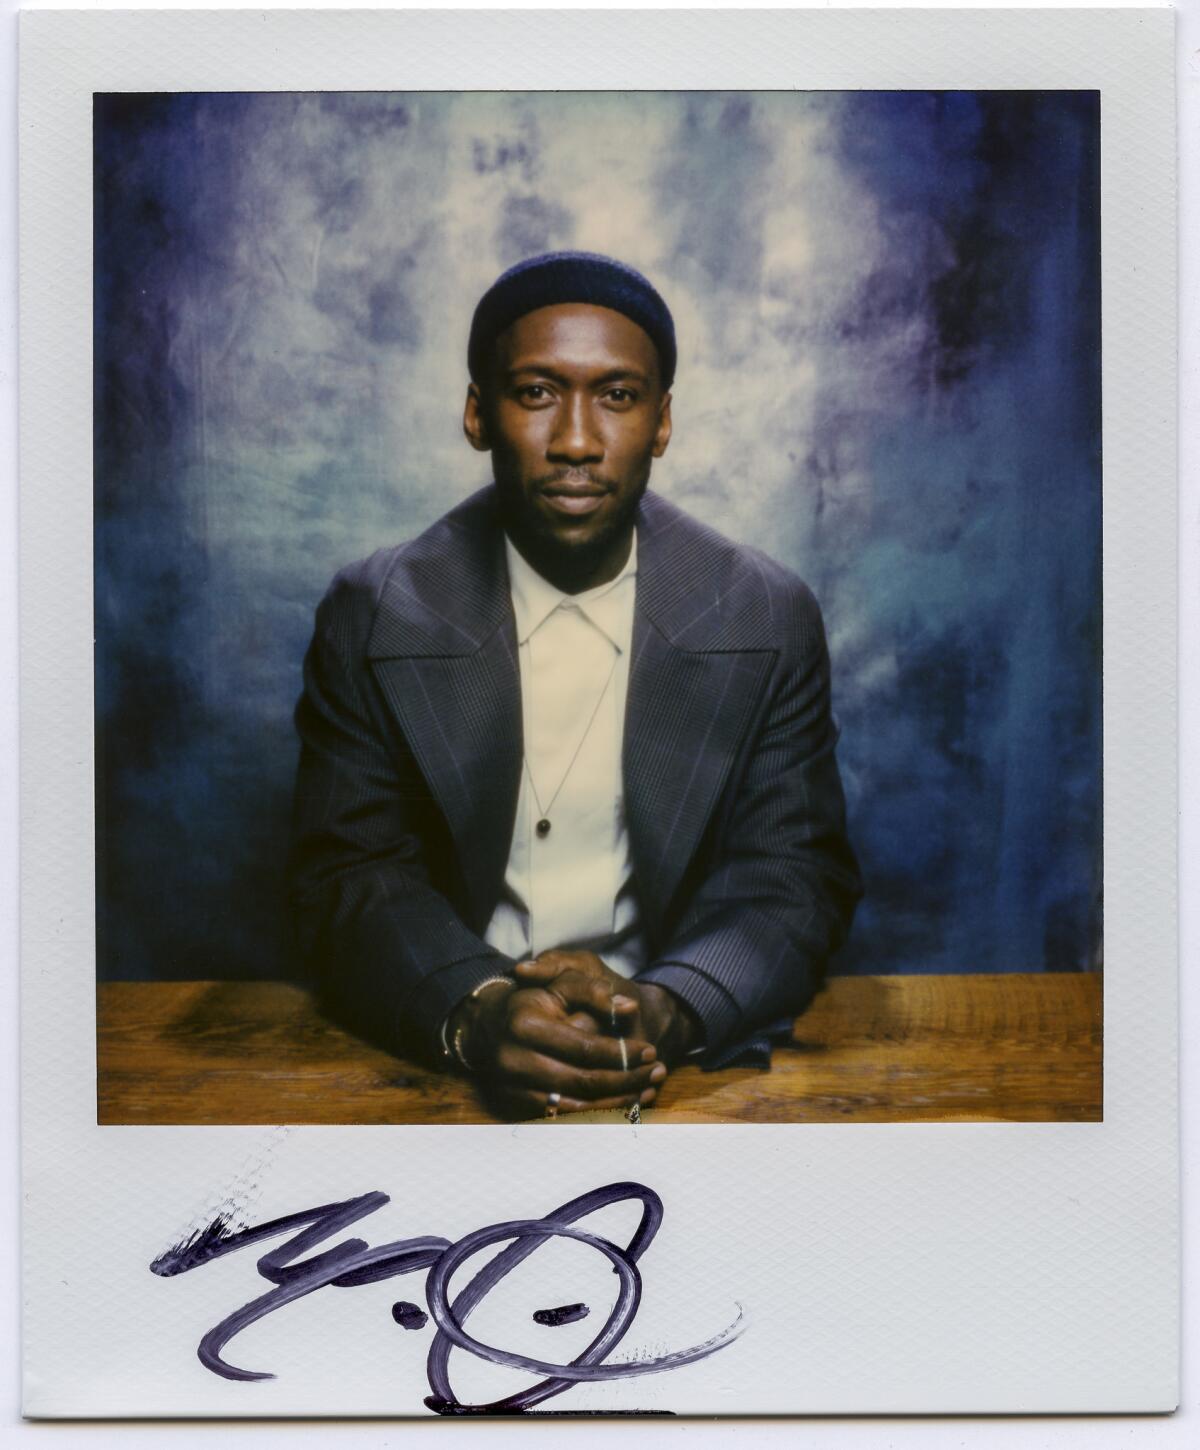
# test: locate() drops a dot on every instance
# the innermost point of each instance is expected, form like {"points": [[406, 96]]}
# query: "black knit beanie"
{"points": [[558, 277]]}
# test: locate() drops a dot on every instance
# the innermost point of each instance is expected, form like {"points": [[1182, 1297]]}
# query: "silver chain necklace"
{"points": [[543, 825]]}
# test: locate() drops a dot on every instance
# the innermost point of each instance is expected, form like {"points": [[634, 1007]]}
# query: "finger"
{"points": [[573, 989], [550, 964], [644, 1099], [540, 969], [599, 1082], [603, 997], [538, 1000], [524, 1104], [587, 962], [557, 1038], [525, 1067]]}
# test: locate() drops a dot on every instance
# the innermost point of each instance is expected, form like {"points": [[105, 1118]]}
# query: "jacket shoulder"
{"points": [[395, 601], [736, 595]]}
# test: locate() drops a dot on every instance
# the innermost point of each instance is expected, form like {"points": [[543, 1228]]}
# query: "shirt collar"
{"points": [[608, 606]]}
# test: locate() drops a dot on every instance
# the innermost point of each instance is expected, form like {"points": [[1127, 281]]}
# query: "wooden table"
{"points": [[1015, 1048]]}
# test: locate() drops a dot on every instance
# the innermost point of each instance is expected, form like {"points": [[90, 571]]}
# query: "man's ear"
{"points": [[663, 434], [474, 421]]}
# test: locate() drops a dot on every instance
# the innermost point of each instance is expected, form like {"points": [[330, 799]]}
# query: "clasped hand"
{"points": [[572, 1026]]}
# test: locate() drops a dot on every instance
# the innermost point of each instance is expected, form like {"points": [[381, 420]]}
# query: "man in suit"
{"points": [[567, 811]]}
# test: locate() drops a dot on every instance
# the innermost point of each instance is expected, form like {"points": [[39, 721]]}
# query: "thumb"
{"points": [[534, 971]]}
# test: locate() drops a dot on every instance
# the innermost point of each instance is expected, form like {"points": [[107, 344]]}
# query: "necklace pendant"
{"points": [[543, 828]]}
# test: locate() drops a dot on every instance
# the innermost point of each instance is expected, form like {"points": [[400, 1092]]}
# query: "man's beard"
{"points": [[543, 545]]}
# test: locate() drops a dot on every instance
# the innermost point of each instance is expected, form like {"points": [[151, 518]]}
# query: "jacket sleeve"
{"points": [[749, 950], [391, 954]]}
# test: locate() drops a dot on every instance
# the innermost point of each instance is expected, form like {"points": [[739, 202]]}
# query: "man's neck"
{"points": [[572, 575]]}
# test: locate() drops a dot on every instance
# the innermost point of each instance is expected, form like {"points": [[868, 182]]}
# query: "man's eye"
{"points": [[622, 395], [533, 393]]}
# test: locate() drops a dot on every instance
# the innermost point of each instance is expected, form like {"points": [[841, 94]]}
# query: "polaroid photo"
{"points": [[598, 745]]}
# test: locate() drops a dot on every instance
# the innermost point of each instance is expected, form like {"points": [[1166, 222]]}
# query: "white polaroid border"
{"points": [[884, 1269]]}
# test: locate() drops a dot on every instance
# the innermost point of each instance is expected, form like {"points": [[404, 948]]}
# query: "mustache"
{"points": [[573, 478]]}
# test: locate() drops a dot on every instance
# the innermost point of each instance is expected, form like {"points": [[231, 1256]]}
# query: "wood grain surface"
{"points": [[1017, 1048]]}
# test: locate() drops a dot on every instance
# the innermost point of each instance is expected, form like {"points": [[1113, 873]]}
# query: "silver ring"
{"points": [[552, 1102]]}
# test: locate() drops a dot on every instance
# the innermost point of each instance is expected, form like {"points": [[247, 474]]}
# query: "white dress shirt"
{"points": [[572, 888]]}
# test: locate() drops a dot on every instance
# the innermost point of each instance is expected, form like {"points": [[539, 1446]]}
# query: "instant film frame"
{"points": [[888, 304], [971, 1267]]}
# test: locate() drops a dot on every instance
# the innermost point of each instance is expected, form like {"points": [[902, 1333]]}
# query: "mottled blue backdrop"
{"points": [[888, 313]]}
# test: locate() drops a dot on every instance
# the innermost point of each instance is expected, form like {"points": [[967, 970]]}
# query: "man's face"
{"points": [[573, 414]]}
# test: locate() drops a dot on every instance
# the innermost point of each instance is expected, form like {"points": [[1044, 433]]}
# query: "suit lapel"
{"points": [[702, 651], [443, 649]]}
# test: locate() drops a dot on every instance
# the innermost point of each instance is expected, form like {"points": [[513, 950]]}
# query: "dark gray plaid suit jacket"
{"points": [[410, 729]]}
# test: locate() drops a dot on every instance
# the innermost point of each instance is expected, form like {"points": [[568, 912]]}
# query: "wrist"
{"points": [[470, 1028], [680, 1030], [689, 1028]]}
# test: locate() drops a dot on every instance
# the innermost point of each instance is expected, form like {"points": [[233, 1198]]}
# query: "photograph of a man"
{"points": [[568, 810], [568, 800]]}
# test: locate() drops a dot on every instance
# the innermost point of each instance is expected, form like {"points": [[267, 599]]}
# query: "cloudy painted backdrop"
{"points": [[888, 314]]}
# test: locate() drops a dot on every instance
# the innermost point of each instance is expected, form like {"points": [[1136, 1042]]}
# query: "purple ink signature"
{"points": [[355, 1262]]}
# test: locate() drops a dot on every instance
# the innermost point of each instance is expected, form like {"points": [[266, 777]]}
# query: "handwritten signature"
{"points": [[355, 1262]]}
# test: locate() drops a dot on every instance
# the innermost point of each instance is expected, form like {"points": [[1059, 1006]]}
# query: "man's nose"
{"points": [[575, 439]]}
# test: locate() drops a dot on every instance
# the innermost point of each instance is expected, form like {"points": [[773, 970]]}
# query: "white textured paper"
{"points": [[883, 1268]]}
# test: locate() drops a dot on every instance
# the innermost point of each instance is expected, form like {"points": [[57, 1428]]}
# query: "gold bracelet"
{"points": [[456, 1053]]}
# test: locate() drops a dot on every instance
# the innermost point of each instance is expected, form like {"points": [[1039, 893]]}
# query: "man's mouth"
{"points": [[574, 500]]}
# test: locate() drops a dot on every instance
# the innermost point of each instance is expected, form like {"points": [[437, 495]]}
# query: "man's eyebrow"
{"points": [[547, 370], [616, 375]]}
